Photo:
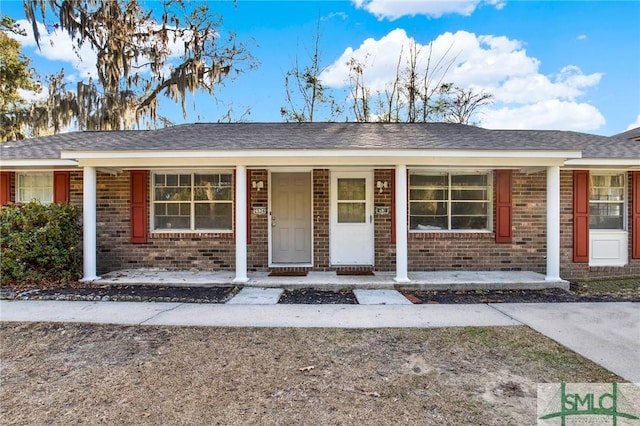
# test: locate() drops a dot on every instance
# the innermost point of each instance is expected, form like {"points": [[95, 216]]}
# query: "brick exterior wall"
{"points": [[163, 250], [426, 251], [320, 180], [570, 270], [479, 251]]}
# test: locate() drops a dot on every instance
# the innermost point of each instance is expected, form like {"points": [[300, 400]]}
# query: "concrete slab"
{"points": [[226, 315], [333, 316], [606, 333], [127, 313], [435, 280], [256, 296], [380, 297]]}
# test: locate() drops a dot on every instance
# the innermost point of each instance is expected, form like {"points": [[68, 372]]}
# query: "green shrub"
{"points": [[40, 243]]}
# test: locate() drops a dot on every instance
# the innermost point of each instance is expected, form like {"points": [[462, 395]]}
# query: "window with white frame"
{"points": [[34, 186], [192, 201], [606, 201], [449, 201]]}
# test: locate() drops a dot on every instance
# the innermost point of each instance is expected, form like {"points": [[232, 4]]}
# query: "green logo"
{"points": [[584, 403]]}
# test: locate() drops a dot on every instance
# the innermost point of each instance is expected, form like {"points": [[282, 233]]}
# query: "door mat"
{"points": [[354, 272], [288, 273]]}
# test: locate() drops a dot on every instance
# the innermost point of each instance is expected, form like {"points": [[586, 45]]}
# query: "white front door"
{"points": [[351, 233], [291, 218]]}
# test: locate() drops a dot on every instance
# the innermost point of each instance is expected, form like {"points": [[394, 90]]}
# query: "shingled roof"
{"points": [[321, 136]]}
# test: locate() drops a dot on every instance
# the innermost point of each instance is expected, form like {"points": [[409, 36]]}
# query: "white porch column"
{"points": [[401, 224], [553, 223], [89, 246], [241, 225]]}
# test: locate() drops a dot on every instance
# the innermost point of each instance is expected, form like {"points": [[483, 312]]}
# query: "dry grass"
{"points": [[106, 374]]}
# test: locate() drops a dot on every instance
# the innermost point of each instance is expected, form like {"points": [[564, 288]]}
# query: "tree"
{"points": [[15, 75], [306, 83], [140, 60], [360, 93], [459, 105]]}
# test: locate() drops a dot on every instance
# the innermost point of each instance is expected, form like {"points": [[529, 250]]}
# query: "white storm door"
{"points": [[351, 234], [291, 218]]}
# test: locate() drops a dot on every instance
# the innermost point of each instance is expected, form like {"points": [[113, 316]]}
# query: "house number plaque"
{"points": [[259, 211]]}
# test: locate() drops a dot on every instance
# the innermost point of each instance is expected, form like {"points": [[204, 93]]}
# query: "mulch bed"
{"points": [[309, 296], [614, 291], [124, 293]]}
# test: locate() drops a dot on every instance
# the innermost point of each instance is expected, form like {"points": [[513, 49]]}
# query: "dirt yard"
{"points": [[105, 374]]}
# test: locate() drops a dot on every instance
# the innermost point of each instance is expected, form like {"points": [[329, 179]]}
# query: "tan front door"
{"points": [[291, 217]]}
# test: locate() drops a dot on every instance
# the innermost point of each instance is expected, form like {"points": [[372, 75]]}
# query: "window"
{"points": [[606, 201], [449, 201], [352, 200], [34, 187], [193, 202]]}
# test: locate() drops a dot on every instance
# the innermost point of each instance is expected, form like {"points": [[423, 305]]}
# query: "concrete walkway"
{"points": [[606, 333]]}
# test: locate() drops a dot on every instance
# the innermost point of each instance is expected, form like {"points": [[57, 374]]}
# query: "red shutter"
{"points": [[581, 216], [61, 185], [139, 182], [503, 207], [5, 188], [635, 215]]}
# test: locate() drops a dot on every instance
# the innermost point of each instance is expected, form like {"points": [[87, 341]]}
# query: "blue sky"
{"points": [[572, 65]]}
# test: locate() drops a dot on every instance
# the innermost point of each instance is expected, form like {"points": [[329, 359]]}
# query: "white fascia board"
{"points": [[313, 153], [41, 164], [603, 162]]}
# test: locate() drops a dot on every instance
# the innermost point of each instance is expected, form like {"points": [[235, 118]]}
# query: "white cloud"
{"points": [[635, 123], [582, 37], [549, 114], [394, 9], [58, 46], [495, 64]]}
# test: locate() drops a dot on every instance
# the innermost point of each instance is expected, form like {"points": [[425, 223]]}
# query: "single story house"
{"points": [[398, 197]]}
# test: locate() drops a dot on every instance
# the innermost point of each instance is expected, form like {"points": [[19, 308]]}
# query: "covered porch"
{"points": [[437, 280]]}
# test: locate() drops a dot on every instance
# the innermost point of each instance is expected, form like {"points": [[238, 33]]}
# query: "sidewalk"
{"points": [[606, 333]]}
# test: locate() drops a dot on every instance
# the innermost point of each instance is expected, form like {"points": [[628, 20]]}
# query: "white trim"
{"points": [[89, 244], [241, 225], [401, 210], [323, 153], [611, 162], [5, 164], [553, 224]]}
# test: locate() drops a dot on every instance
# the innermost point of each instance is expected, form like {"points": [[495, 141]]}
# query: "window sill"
{"points": [[426, 235], [191, 234]]}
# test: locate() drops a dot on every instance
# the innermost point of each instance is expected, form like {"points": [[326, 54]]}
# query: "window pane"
{"points": [[469, 194], [606, 180], [172, 215], [428, 180], [606, 216], [428, 208], [428, 194], [172, 194], [469, 209], [212, 193], [469, 222], [468, 180], [428, 223], [351, 189], [214, 216], [351, 213], [604, 194]]}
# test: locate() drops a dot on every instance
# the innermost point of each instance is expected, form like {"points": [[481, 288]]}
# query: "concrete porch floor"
{"points": [[440, 280]]}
